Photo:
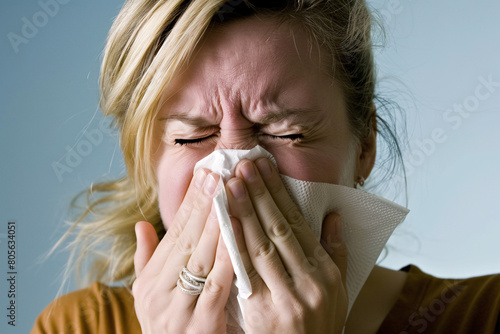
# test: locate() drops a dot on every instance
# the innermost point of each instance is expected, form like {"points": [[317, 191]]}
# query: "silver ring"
{"points": [[192, 277], [189, 283], [188, 291]]}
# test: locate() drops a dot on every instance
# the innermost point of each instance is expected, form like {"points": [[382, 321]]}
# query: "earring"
{"points": [[360, 181]]}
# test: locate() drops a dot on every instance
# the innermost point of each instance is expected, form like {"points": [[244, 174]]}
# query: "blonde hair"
{"points": [[147, 44]]}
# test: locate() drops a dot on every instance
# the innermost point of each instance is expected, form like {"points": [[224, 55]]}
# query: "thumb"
{"points": [[147, 241], [332, 242]]}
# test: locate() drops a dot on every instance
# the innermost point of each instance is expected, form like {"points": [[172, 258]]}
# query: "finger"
{"points": [[256, 281], [275, 186], [303, 232], [194, 201], [178, 224], [217, 287], [187, 242], [182, 216], [269, 257], [147, 241], [277, 222], [201, 262], [331, 239]]}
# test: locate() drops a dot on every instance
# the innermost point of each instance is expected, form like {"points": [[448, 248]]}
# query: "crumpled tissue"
{"points": [[367, 222]]}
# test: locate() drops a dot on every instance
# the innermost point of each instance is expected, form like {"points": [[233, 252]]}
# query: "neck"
{"points": [[375, 300]]}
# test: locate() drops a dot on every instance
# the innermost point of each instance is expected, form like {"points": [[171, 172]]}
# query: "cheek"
{"points": [[174, 174], [334, 165]]}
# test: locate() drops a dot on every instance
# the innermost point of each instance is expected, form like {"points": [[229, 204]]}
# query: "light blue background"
{"points": [[435, 53]]}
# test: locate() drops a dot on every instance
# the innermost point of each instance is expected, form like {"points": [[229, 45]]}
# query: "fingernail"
{"points": [[199, 178], [248, 171], [264, 167], [237, 189], [210, 185]]}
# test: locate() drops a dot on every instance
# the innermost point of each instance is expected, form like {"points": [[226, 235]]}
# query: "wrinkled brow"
{"points": [[268, 118]]}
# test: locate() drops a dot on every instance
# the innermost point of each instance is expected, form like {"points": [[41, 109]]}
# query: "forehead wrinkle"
{"points": [[225, 81], [244, 91], [200, 114]]}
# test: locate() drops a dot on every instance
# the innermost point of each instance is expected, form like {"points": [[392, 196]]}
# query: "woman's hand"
{"points": [[299, 286], [192, 241]]}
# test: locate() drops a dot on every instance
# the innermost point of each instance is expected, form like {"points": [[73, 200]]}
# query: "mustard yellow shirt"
{"points": [[426, 305]]}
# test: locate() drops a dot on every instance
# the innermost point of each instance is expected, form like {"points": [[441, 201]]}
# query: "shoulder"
{"points": [[441, 305], [478, 291], [96, 309]]}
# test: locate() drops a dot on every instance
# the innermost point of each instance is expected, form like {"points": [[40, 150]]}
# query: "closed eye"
{"points": [[182, 142], [292, 137]]}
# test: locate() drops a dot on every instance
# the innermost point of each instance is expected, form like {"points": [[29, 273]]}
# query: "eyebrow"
{"points": [[186, 118], [272, 117], [277, 116]]}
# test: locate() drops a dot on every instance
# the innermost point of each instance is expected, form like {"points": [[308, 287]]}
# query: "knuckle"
{"points": [[259, 192], [317, 296], [197, 268], [279, 228], [321, 255], [287, 279], [212, 287], [265, 249], [311, 265], [200, 203], [246, 212], [254, 319], [184, 211], [184, 246], [294, 214], [334, 276], [295, 217], [173, 233]]}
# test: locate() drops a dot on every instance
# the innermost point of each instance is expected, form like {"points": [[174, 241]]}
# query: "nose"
{"points": [[237, 139]]}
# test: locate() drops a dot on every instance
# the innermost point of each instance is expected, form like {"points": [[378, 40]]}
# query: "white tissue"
{"points": [[367, 222]]}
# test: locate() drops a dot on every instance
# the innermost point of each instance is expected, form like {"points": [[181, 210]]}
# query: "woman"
{"points": [[183, 79]]}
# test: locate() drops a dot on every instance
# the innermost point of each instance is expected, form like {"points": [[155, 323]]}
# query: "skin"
{"points": [[251, 82]]}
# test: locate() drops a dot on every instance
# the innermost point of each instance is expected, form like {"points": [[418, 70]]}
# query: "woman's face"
{"points": [[251, 83]]}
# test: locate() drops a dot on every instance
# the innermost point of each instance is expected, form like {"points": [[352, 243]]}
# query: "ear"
{"points": [[367, 149]]}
